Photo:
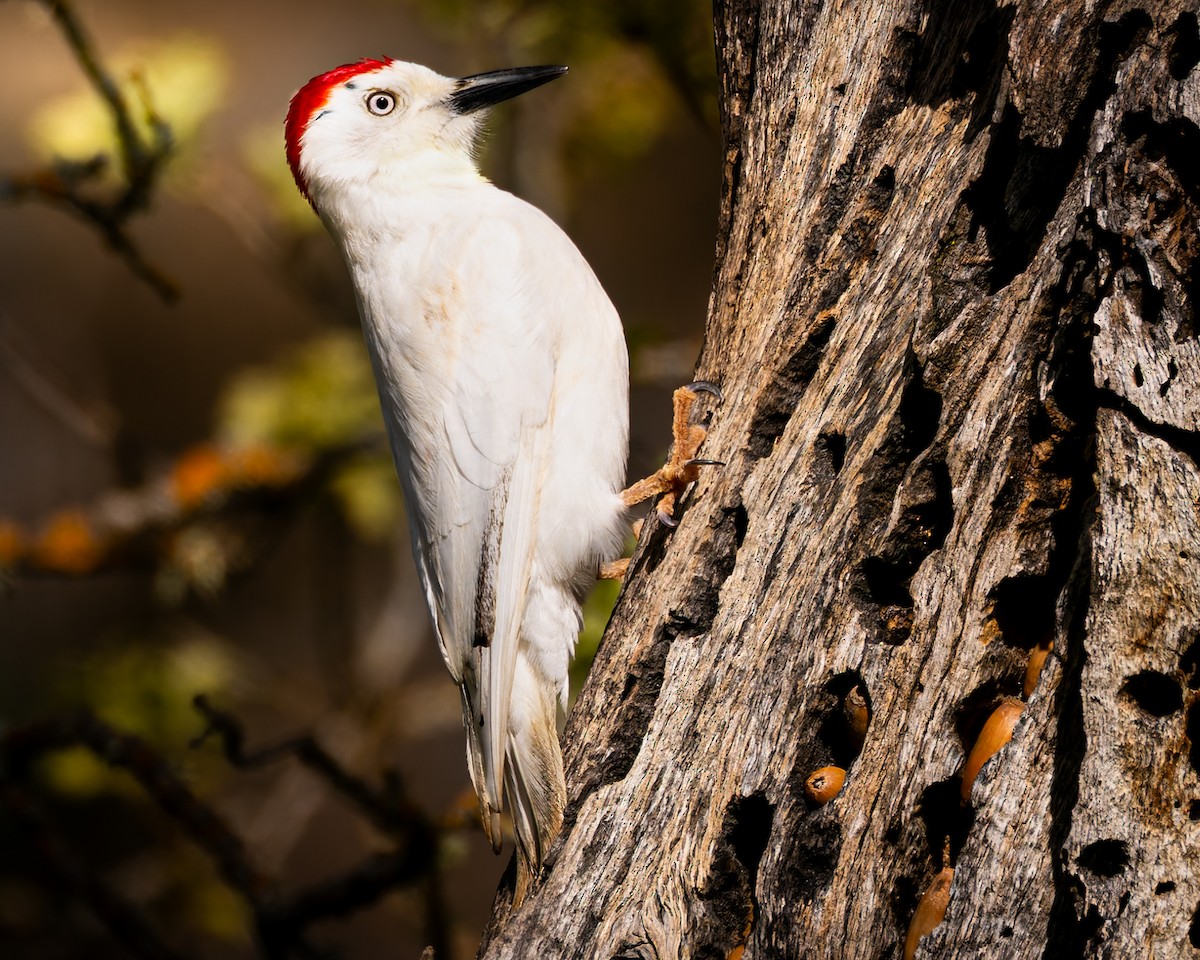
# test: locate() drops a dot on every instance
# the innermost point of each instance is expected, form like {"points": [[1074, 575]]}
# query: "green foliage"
{"points": [[319, 397], [181, 81], [644, 62], [596, 612], [142, 686], [263, 153]]}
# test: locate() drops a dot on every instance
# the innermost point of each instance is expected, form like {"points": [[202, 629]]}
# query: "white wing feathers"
{"points": [[478, 526]]}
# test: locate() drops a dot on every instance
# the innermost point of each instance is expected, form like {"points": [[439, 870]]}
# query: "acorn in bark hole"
{"points": [[823, 785], [930, 911], [996, 732]]}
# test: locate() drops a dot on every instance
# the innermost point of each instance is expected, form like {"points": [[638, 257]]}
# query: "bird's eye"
{"points": [[381, 102]]}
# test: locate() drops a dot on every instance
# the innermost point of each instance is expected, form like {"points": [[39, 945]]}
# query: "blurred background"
{"points": [[194, 496]]}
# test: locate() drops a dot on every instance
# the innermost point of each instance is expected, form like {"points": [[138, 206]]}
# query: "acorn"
{"points": [[858, 716], [996, 732], [823, 785], [930, 911], [1033, 667]]}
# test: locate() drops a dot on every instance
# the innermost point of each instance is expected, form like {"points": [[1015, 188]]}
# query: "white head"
{"points": [[390, 119]]}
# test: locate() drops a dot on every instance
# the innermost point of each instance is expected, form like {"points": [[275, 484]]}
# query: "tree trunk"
{"points": [[955, 320]]}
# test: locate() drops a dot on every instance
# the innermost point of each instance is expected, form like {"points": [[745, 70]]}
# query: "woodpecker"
{"points": [[504, 377]]}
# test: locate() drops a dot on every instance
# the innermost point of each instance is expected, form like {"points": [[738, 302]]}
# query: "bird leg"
{"points": [[673, 478], [614, 569], [684, 467]]}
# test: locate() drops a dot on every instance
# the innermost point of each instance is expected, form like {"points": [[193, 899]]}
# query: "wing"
{"points": [[478, 534]]}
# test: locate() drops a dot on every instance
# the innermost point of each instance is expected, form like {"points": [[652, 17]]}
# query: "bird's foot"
{"points": [[614, 570], [684, 466]]}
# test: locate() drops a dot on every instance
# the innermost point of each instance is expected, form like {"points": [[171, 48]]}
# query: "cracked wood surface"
{"points": [[955, 320]]}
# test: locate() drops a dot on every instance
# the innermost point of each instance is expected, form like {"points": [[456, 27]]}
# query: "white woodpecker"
{"points": [[503, 375]]}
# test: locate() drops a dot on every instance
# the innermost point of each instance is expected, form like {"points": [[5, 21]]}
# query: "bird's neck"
{"points": [[396, 198]]}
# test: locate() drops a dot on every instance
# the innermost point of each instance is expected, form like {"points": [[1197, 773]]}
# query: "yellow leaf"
{"points": [[185, 78]]}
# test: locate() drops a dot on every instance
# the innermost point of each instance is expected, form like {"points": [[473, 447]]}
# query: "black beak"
{"points": [[488, 89]]}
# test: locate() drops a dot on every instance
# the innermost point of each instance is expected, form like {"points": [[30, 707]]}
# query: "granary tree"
{"points": [[954, 317]]}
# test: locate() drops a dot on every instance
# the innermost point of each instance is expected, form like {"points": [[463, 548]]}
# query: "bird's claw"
{"points": [[683, 468], [706, 386]]}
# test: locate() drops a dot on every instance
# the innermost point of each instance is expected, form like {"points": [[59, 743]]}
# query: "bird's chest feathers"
{"points": [[412, 324]]}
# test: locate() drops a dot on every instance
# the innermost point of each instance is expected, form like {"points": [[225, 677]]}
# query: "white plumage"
{"points": [[503, 375]]}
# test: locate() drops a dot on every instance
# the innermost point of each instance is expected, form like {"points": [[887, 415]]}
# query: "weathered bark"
{"points": [[955, 318]]}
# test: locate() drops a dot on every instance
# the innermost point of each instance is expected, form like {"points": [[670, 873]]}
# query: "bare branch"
{"points": [[21, 746], [388, 809], [281, 922], [70, 183], [121, 918], [242, 496]]}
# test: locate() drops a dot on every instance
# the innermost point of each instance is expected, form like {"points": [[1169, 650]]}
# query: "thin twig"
{"points": [[281, 923], [66, 182], [21, 746], [122, 918], [106, 87], [138, 528], [387, 809]]}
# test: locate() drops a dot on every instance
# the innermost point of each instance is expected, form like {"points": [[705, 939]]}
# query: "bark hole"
{"points": [[1194, 929], [837, 197], [858, 239], [947, 820], [639, 698], [1185, 45], [695, 615], [1193, 735], [1154, 692], [1164, 886], [893, 833], [741, 523], [1022, 182], [906, 894], [1194, 810], [963, 50], [1172, 373], [926, 510], [779, 398], [810, 855], [1174, 142], [748, 823], [926, 514], [912, 432], [1023, 610], [841, 729], [729, 892], [885, 583], [1137, 283], [831, 446], [1170, 173], [1105, 858]]}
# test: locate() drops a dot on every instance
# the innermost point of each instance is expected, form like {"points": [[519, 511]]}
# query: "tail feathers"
{"points": [[536, 792], [489, 813], [534, 788]]}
